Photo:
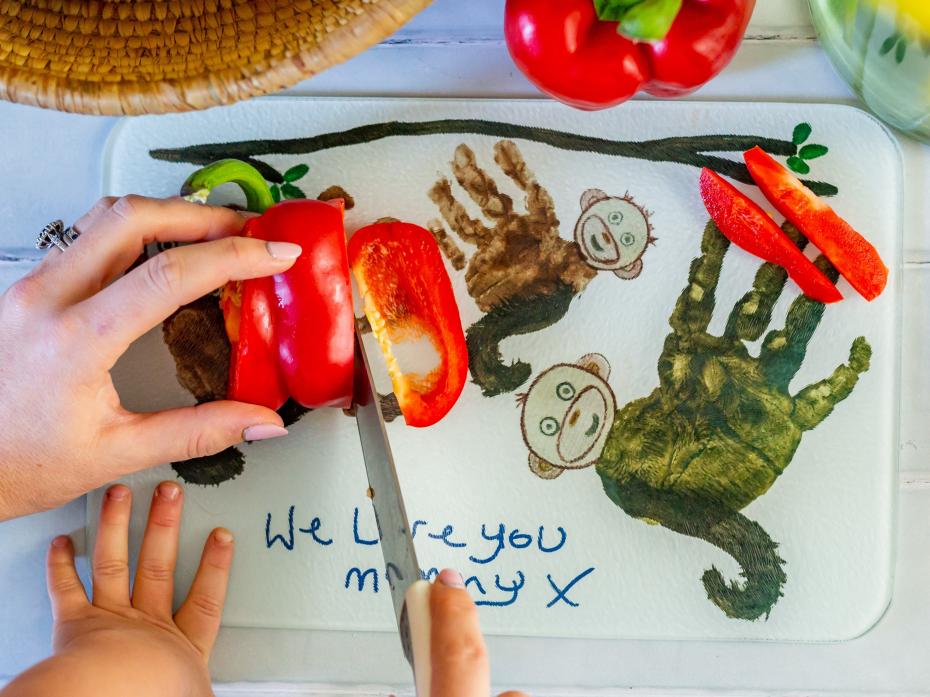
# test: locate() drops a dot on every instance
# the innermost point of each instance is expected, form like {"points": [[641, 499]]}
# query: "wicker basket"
{"points": [[156, 56]]}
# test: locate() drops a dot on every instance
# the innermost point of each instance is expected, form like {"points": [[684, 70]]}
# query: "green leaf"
{"points": [[812, 151], [291, 191], [295, 173], [613, 10], [889, 44], [650, 20], [275, 193], [798, 165], [801, 133], [900, 52]]}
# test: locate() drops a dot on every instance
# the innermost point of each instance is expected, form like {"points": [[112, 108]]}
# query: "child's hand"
{"points": [[130, 643]]}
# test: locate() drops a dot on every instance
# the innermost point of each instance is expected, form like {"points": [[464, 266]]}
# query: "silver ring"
{"points": [[55, 234]]}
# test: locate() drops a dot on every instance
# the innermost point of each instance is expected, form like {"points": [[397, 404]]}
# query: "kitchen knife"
{"points": [[409, 593]]}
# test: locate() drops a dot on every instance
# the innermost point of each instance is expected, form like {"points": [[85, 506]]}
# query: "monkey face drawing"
{"points": [[567, 415], [613, 233]]}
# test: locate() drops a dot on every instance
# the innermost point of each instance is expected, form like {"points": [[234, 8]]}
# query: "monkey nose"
{"points": [[573, 419]]}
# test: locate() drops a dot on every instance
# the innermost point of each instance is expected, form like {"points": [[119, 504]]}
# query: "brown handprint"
{"points": [[523, 274]]}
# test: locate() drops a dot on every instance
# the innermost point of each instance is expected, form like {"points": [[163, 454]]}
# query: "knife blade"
{"points": [[409, 594]]}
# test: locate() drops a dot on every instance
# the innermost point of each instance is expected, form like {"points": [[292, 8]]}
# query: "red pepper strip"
{"points": [[314, 325], [850, 253], [253, 363], [747, 226], [567, 51], [408, 295]]}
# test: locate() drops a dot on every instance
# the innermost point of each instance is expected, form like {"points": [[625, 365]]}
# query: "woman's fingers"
{"points": [[126, 309], [458, 654], [152, 592], [199, 615], [145, 440], [110, 562], [64, 587], [115, 231]]}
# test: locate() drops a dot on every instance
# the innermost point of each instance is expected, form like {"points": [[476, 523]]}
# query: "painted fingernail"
{"points": [[283, 250], [263, 432], [168, 491], [451, 578], [61, 541], [223, 536], [118, 492]]}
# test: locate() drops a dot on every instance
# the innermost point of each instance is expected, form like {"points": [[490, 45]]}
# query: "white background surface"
{"points": [[52, 167]]}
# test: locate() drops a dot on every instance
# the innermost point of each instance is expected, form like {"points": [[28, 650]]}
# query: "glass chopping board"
{"points": [[650, 445]]}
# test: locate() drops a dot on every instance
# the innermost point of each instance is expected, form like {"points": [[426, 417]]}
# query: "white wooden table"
{"points": [[52, 170]]}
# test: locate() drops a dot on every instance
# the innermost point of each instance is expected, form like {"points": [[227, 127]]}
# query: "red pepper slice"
{"points": [[850, 253], [568, 51], [408, 295], [746, 225], [314, 325], [253, 363]]}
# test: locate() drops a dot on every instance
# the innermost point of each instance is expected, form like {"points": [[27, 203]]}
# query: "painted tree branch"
{"points": [[687, 150]]}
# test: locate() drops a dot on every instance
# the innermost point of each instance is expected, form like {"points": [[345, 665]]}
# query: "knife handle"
{"points": [[418, 618]]}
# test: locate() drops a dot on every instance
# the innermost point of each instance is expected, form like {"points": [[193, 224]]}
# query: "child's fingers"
{"points": [[199, 615], [458, 655], [65, 589], [110, 563], [154, 587]]}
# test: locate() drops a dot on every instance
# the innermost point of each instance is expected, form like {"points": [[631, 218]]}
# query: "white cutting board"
{"points": [[831, 512]]}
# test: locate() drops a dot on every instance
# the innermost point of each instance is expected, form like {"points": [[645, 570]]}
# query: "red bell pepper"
{"points": [[408, 295], [850, 253], [746, 225], [314, 324], [253, 360], [574, 49]]}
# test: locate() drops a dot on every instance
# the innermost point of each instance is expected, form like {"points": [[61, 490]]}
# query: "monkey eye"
{"points": [[627, 239], [565, 391], [615, 218], [549, 426]]}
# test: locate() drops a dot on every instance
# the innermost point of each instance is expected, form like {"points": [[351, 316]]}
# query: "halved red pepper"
{"points": [[851, 254], [314, 324], [746, 225], [408, 295]]}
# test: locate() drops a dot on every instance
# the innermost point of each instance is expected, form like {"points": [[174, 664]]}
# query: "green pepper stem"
{"points": [[257, 192]]}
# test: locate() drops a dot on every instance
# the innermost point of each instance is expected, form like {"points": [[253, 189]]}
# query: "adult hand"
{"points": [[124, 643], [63, 326], [459, 657]]}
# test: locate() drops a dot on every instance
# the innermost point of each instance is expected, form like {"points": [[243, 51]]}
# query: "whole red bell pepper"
{"points": [[408, 296], [594, 54], [850, 253], [746, 225]]}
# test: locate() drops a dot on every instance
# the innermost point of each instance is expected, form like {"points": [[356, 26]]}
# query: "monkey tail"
{"points": [[510, 318], [763, 574]]}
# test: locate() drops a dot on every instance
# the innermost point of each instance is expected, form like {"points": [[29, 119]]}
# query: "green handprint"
{"points": [[722, 425]]}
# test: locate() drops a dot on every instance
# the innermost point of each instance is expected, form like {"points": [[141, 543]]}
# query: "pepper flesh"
{"points": [[581, 60], [253, 361], [746, 225], [407, 296], [851, 254]]}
